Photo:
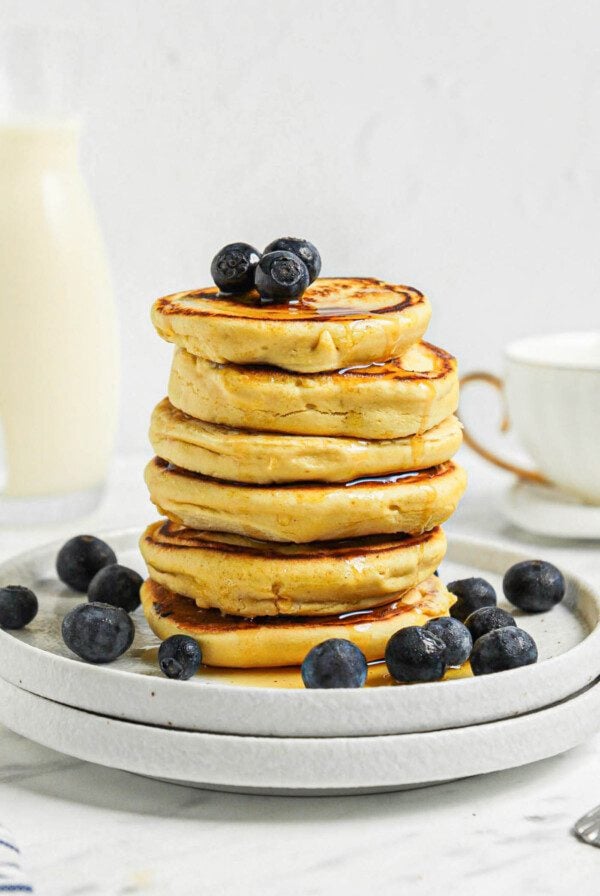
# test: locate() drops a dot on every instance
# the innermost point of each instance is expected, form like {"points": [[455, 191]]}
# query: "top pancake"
{"points": [[339, 321]]}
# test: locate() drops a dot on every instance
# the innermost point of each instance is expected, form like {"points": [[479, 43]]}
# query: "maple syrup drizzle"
{"points": [[439, 361], [339, 298], [167, 604], [390, 479]]}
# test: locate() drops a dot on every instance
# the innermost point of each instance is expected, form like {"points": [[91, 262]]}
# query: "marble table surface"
{"points": [[83, 829]]}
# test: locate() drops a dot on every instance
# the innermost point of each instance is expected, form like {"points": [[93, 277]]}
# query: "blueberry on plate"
{"points": [[415, 654], [308, 253], [455, 636], [80, 558], [472, 594], [98, 633], [18, 606], [502, 649], [280, 276], [179, 657], [486, 620], [233, 267], [116, 585], [534, 586], [335, 663]]}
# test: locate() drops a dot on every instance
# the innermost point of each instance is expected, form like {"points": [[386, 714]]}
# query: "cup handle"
{"points": [[495, 381]]}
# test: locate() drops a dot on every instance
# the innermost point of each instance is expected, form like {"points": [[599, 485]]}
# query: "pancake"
{"points": [[263, 457], [337, 322], [283, 640], [381, 401], [300, 512], [246, 577]]}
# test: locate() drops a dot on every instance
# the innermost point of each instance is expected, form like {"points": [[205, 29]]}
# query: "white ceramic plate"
{"points": [[546, 510], [302, 765], [133, 688]]}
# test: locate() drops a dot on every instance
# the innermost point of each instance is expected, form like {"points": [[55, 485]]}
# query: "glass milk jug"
{"points": [[58, 345]]}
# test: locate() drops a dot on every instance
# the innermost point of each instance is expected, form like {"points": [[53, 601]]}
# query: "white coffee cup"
{"points": [[552, 392]]}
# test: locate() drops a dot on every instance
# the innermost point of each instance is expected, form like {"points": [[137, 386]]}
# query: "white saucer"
{"points": [[35, 659], [546, 510], [302, 765]]}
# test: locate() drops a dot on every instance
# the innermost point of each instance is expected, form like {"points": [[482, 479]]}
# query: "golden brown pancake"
{"points": [[245, 455], [245, 577], [338, 321], [283, 640], [300, 512], [400, 398]]}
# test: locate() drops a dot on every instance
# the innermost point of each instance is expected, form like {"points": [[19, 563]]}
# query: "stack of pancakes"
{"points": [[304, 465]]}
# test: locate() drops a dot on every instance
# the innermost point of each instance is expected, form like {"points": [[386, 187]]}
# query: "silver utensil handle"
{"points": [[587, 828]]}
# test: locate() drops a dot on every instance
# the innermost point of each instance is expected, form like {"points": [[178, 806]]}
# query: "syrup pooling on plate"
{"points": [[286, 677], [289, 677]]}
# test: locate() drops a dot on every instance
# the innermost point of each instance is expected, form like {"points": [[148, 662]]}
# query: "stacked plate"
{"points": [[253, 734]]}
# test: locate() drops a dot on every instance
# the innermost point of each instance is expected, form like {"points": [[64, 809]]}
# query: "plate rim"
{"points": [[229, 760]]}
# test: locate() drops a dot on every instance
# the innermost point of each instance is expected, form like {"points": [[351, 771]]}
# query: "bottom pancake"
{"points": [[235, 642]]}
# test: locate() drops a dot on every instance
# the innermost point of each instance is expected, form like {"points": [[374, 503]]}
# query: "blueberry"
{"points": [[80, 558], [233, 267], [98, 633], [534, 586], [308, 253], [18, 606], [179, 657], [501, 649], [487, 619], [472, 594], [335, 663], [281, 275], [415, 654], [455, 636], [118, 586]]}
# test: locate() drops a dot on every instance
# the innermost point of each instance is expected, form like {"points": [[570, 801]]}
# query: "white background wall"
{"points": [[450, 145]]}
